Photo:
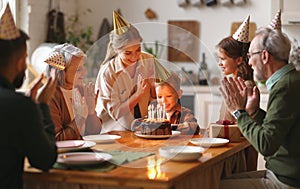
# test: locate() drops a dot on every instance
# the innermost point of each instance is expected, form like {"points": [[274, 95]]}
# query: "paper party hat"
{"points": [[120, 24], [56, 60], [242, 33], [161, 74], [276, 22], [8, 29]]}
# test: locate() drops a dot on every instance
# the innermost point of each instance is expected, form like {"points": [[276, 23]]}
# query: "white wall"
{"points": [[33, 18], [215, 22]]}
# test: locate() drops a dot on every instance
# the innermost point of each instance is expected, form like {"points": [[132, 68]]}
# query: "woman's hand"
{"points": [[90, 97], [142, 84]]}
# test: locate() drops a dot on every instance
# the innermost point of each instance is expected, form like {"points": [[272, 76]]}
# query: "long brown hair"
{"points": [[235, 49]]}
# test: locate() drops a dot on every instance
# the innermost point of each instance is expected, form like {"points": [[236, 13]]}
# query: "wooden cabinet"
{"points": [[290, 14], [208, 108]]}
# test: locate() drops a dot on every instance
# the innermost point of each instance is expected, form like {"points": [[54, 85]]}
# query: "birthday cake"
{"points": [[156, 122], [155, 127]]}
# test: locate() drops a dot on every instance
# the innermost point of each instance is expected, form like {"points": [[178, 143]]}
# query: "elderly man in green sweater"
{"points": [[275, 133]]}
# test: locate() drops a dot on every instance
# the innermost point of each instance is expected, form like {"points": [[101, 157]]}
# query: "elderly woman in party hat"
{"points": [[126, 78], [73, 105]]}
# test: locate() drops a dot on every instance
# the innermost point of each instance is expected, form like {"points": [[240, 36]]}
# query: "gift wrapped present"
{"points": [[225, 129]]}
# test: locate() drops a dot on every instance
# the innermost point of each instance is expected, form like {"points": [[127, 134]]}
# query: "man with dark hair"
{"points": [[26, 125]]}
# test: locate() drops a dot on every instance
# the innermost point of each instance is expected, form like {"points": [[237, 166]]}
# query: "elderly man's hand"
{"points": [[234, 93]]}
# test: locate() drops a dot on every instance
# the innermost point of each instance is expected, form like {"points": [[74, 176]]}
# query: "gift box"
{"points": [[225, 129]]}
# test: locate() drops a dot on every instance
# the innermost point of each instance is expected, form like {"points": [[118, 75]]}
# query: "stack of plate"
{"points": [[101, 138], [73, 145], [83, 158]]}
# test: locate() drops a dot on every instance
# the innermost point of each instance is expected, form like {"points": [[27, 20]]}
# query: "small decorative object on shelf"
{"points": [[210, 2], [150, 14], [226, 2], [239, 2], [203, 71], [295, 54], [183, 3]]}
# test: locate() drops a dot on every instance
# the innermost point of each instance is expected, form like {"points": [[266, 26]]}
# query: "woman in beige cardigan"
{"points": [[73, 105]]}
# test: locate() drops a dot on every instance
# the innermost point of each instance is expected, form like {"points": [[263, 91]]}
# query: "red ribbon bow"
{"points": [[225, 122], [226, 128]]}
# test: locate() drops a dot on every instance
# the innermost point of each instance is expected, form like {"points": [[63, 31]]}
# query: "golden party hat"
{"points": [[161, 74], [276, 22], [242, 33], [8, 29], [120, 24], [56, 60]]}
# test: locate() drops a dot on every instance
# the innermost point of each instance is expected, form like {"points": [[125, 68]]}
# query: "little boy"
{"points": [[168, 94]]}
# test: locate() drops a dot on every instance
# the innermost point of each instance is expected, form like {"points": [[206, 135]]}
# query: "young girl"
{"points": [[233, 60]]}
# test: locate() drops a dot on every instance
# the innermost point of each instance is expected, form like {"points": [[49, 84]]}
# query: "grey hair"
{"points": [[275, 42], [117, 42], [64, 49]]}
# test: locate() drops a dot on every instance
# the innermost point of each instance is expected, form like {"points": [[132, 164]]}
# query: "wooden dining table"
{"points": [[153, 171]]}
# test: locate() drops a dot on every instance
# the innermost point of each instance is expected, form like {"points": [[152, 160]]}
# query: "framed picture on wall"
{"points": [[183, 41]]}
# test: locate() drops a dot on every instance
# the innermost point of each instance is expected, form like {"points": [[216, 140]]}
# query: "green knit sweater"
{"points": [[276, 133]]}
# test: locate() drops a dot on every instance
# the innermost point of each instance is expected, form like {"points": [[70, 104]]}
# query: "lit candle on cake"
{"points": [[164, 110], [149, 112]]}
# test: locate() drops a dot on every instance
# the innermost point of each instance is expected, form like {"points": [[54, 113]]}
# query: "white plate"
{"points": [[86, 145], [181, 153], [101, 138], [83, 158], [174, 133], [209, 142], [69, 143]]}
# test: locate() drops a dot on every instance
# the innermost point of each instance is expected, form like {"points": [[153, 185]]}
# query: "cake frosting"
{"points": [[155, 127]]}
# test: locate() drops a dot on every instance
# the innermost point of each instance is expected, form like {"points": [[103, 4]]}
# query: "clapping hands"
{"points": [[45, 93], [85, 104], [238, 96], [142, 84]]}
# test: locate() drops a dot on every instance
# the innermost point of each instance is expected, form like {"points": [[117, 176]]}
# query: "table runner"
{"points": [[118, 158]]}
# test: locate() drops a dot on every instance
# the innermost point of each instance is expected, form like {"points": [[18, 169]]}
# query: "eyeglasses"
{"points": [[249, 55]]}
